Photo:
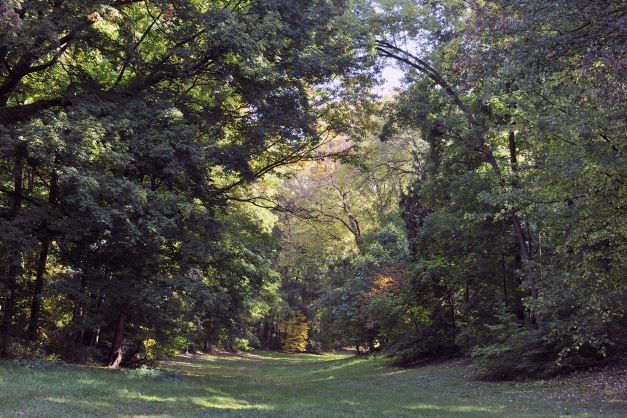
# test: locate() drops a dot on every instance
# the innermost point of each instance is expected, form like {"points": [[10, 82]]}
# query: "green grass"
{"points": [[271, 384]]}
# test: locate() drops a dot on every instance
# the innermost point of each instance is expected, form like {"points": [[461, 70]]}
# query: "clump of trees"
{"points": [[517, 215], [512, 203], [217, 174], [131, 133]]}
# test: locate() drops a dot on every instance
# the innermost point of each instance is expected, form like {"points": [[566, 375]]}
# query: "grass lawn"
{"points": [[271, 384]]}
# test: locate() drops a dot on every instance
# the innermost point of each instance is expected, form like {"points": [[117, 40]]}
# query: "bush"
{"points": [[62, 346], [514, 351], [241, 344], [25, 350]]}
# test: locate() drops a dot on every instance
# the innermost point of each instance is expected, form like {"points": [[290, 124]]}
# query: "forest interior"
{"points": [[223, 207]]}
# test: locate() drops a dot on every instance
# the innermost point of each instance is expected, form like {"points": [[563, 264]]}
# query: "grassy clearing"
{"points": [[271, 384]]}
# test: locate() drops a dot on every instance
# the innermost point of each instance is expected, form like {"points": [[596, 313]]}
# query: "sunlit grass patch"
{"points": [[265, 384]]}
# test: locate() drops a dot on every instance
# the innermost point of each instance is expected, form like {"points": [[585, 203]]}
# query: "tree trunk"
{"points": [[524, 241], [519, 233], [359, 242], [35, 309], [14, 257], [78, 312], [504, 267], [398, 54], [371, 347], [267, 332], [94, 331], [116, 354], [513, 159], [9, 305], [353, 226]]}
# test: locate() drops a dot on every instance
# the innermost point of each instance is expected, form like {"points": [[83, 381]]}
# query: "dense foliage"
{"points": [[520, 204], [131, 133], [218, 174], [510, 245]]}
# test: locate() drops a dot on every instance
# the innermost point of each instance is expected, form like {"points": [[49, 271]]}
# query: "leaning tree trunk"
{"points": [[391, 51]]}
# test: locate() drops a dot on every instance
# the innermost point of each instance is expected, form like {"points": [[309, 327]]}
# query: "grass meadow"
{"points": [[266, 384]]}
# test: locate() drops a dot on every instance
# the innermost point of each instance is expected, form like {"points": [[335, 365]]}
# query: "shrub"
{"points": [[296, 333]]}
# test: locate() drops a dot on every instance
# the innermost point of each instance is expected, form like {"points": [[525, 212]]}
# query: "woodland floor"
{"points": [[269, 384]]}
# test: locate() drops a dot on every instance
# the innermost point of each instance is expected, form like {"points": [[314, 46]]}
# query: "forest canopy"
{"points": [[222, 175]]}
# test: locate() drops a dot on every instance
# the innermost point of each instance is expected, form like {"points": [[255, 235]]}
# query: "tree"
{"points": [[128, 129], [508, 88]]}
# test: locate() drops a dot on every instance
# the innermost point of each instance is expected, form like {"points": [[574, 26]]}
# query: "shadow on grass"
{"points": [[259, 384], [148, 405]]}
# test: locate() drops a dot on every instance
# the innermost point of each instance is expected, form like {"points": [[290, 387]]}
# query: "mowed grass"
{"points": [[265, 384]]}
